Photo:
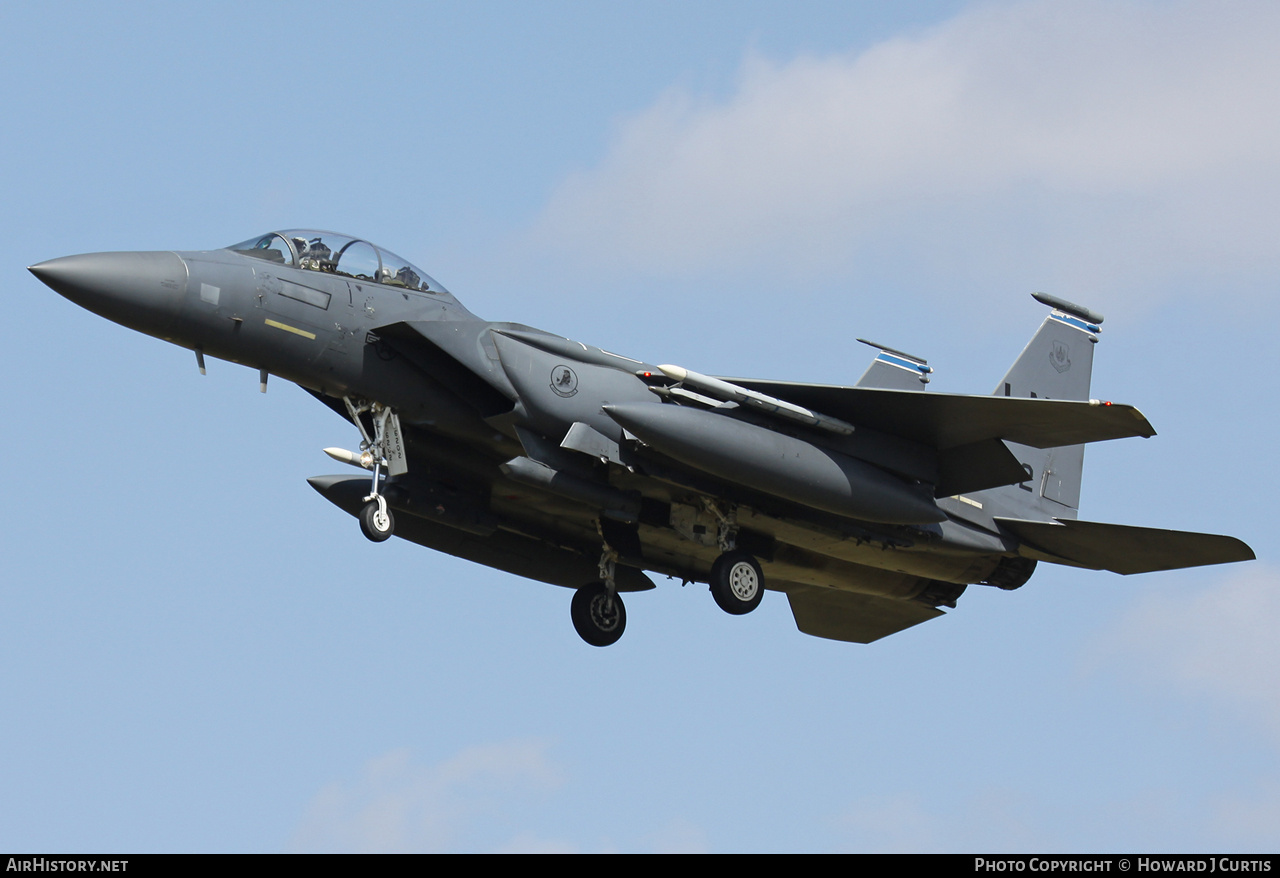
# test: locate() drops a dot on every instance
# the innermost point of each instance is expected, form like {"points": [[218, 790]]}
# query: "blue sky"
{"points": [[201, 654]]}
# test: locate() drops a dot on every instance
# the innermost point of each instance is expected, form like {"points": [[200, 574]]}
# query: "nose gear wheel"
{"points": [[376, 521]]}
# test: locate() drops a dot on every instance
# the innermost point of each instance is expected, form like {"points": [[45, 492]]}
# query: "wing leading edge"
{"points": [[948, 420]]}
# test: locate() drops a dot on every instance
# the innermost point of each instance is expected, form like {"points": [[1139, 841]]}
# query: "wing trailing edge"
{"points": [[1122, 548]]}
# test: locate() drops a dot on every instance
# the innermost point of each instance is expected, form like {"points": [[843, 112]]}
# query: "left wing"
{"points": [[851, 616], [950, 420]]}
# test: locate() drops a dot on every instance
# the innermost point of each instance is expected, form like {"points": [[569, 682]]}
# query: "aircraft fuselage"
{"points": [[555, 460]]}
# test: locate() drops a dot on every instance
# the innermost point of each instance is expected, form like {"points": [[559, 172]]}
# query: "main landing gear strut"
{"points": [[598, 614], [597, 611], [376, 521], [737, 582]]}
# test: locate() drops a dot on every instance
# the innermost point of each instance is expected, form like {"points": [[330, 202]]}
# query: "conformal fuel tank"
{"points": [[783, 466]]}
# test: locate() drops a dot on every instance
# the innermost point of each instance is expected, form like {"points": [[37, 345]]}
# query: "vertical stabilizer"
{"points": [[1056, 364], [895, 370]]}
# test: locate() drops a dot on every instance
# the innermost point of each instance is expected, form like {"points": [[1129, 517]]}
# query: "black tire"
{"points": [[372, 524], [737, 583], [598, 617]]}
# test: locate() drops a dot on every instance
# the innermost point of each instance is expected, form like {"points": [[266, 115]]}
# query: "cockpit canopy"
{"points": [[332, 253]]}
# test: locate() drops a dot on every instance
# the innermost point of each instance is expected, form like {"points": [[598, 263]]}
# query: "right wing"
{"points": [[1122, 548]]}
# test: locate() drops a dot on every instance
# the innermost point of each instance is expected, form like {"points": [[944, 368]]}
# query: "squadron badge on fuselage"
{"points": [[564, 381]]}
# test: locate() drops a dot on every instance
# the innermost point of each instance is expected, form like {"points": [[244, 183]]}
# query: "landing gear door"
{"points": [[393, 447]]}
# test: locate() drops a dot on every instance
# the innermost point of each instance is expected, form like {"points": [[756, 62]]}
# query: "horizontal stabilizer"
{"points": [[1121, 548], [947, 420], [851, 616]]}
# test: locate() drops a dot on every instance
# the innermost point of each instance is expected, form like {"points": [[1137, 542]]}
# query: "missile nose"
{"points": [[56, 274], [142, 290]]}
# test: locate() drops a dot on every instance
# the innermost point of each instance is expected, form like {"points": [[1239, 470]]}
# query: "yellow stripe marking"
{"points": [[287, 328]]}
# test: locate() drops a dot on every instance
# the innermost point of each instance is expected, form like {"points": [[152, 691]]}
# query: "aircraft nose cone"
{"points": [[140, 290]]}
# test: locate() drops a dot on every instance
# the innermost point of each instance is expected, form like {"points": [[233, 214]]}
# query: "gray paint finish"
{"points": [[561, 462]]}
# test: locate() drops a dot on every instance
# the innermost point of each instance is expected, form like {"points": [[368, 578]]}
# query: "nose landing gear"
{"points": [[376, 521], [384, 448]]}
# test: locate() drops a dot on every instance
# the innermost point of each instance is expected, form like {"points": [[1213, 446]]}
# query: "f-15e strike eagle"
{"points": [[869, 506]]}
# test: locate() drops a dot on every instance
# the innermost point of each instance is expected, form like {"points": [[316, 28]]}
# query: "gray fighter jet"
{"points": [[869, 506]]}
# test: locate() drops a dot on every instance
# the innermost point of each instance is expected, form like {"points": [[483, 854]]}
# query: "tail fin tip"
{"points": [[1086, 314]]}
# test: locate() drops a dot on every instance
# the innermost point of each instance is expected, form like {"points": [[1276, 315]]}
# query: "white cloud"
{"points": [[1218, 642], [679, 837], [1093, 142], [481, 799], [993, 819], [528, 843], [1210, 642], [397, 805], [893, 825], [1252, 819]]}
